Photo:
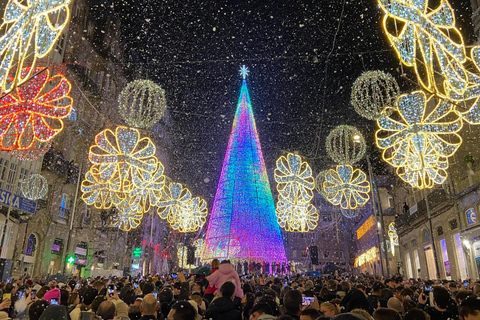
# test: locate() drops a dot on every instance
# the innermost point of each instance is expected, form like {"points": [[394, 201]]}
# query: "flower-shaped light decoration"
{"points": [[296, 217], [392, 234], [294, 179], [347, 187], [149, 192], [33, 113], [34, 187], [122, 155], [175, 198], [127, 219], [29, 32], [191, 217], [199, 244], [418, 142], [426, 38], [36, 151], [101, 193]]}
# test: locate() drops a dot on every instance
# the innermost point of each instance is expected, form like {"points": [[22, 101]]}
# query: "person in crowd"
{"points": [[223, 308], [210, 291], [226, 272], [182, 310], [355, 299], [395, 304], [247, 303], [362, 314], [54, 312], [310, 314], [375, 299], [469, 309], [165, 296], [462, 294], [37, 308], [106, 310], [415, 314], [261, 311], [441, 301], [149, 307], [386, 314], [329, 309], [332, 286], [89, 295], [96, 302]]}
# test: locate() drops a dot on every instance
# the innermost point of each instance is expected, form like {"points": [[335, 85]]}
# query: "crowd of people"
{"points": [[224, 295]]}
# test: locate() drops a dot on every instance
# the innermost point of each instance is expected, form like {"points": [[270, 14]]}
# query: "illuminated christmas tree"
{"points": [[243, 225]]}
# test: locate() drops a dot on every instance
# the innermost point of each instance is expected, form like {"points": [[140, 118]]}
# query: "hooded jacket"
{"points": [[226, 273], [223, 309]]}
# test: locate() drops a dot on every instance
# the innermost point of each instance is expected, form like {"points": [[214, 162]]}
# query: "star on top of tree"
{"points": [[244, 71]]}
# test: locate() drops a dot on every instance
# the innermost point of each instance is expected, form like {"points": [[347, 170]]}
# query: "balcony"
{"points": [[55, 162]]}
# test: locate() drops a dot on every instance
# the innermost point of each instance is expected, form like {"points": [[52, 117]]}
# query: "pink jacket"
{"points": [[226, 273]]}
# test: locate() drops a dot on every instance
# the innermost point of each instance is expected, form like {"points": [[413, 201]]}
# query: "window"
{"points": [[65, 206], [471, 216], [339, 254], [327, 218], [426, 236], [390, 202], [453, 224], [315, 236], [31, 245], [3, 169], [405, 246], [23, 174], [440, 230], [326, 254], [414, 243], [57, 246]]}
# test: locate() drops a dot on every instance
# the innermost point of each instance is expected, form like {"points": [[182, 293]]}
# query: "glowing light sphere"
{"points": [[345, 145], [372, 92], [174, 200], [392, 234], [142, 103], [294, 179], [346, 187], [29, 32], [425, 37], [418, 142], [32, 114], [34, 187], [297, 217], [38, 150]]}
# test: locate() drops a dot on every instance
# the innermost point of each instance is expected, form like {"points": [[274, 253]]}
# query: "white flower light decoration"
{"points": [[347, 187], [294, 179], [192, 216]]}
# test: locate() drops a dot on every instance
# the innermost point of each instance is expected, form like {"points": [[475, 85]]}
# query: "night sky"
{"points": [[303, 56]]}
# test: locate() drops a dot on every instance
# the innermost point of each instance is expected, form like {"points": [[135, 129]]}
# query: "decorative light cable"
{"points": [[347, 187], [418, 143], [34, 187], [142, 103], [392, 234], [29, 31], [365, 227], [345, 145], [372, 92], [33, 113]]}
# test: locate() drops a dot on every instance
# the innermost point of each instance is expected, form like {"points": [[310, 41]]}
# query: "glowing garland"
{"points": [[296, 217], [365, 227], [347, 187], [28, 33], [33, 113], [372, 92], [142, 103], [368, 256], [345, 145], [392, 234], [34, 187], [418, 143], [423, 38]]}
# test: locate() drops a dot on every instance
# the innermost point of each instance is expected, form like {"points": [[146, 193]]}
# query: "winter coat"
{"points": [[211, 289], [226, 273], [223, 309], [356, 299]]}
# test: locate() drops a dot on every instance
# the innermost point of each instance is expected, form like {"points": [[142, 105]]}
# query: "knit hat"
{"points": [[54, 293]]}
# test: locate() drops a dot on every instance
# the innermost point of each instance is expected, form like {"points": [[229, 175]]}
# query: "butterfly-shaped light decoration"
{"points": [[418, 142], [346, 187], [29, 31], [33, 113], [426, 38]]}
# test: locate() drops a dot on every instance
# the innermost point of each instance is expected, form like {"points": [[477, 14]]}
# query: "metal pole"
{"points": [[437, 269], [72, 217], [3, 250], [376, 202]]}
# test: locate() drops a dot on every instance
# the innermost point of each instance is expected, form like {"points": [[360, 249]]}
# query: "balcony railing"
{"points": [[56, 162]]}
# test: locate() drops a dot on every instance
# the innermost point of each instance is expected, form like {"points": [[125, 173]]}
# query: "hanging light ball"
{"points": [[142, 103], [34, 187], [319, 179], [345, 145], [372, 92], [37, 151]]}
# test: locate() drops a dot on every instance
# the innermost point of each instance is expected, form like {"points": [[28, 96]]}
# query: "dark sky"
{"points": [[303, 57]]}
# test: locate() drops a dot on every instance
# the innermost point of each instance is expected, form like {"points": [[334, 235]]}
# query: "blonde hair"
{"points": [[215, 264], [331, 306]]}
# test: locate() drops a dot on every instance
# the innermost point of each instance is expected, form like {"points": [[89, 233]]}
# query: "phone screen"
{"points": [[285, 284], [465, 284], [111, 288], [77, 286], [306, 301], [174, 276], [33, 294], [428, 289], [7, 296], [135, 285], [155, 294], [20, 294], [54, 301]]}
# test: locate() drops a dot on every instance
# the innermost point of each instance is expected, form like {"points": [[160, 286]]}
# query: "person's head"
{"points": [[452, 286], [390, 283], [332, 285], [197, 297], [64, 294], [362, 314], [127, 295], [96, 302], [182, 310], [88, 295], [329, 309], [228, 290], [260, 309], [441, 297], [415, 314], [197, 287], [149, 305], [138, 302], [386, 314], [345, 286], [73, 298], [177, 288], [106, 310], [215, 263], [310, 314], [148, 288], [36, 309], [377, 288], [165, 295], [293, 302], [462, 294], [469, 309], [395, 304]]}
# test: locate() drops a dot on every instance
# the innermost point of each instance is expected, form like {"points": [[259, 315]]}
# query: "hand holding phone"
{"points": [[111, 288], [306, 301]]}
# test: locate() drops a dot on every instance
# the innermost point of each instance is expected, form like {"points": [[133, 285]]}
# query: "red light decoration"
{"points": [[33, 112]]}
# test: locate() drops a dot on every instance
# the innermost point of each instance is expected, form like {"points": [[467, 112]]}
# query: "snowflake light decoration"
{"points": [[34, 187], [372, 92], [142, 103], [392, 234], [297, 217], [345, 145], [294, 179], [33, 113], [191, 217], [427, 39], [29, 31], [175, 199], [127, 219], [347, 187], [418, 143]]}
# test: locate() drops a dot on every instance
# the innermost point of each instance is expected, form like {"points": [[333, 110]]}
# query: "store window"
{"points": [[471, 216]]}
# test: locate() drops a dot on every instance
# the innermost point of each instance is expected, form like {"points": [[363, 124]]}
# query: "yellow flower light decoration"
{"points": [[29, 32], [427, 39], [174, 199], [127, 219], [191, 218], [392, 234], [347, 187], [149, 192], [418, 143], [294, 179], [103, 194], [297, 217]]}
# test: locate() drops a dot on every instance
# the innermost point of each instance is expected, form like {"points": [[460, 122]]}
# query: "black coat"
{"points": [[356, 299], [223, 309]]}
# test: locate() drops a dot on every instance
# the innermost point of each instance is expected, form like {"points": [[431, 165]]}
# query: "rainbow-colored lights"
{"points": [[243, 225]]}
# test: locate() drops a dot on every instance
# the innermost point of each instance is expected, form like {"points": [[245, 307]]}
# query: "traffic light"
{"points": [[314, 254], [137, 252], [70, 259]]}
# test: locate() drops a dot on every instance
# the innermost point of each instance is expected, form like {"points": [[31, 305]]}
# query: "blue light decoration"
{"points": [[243, 225]]}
